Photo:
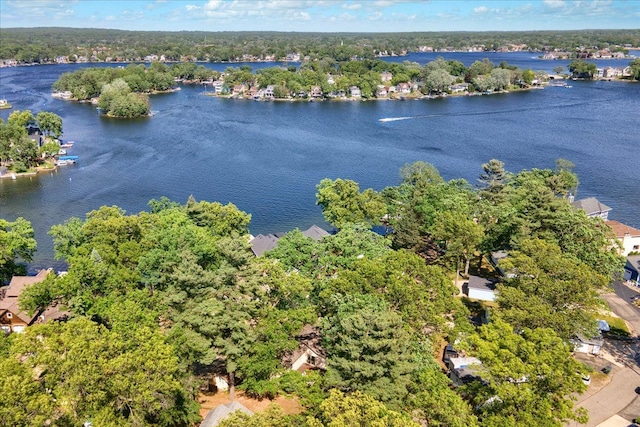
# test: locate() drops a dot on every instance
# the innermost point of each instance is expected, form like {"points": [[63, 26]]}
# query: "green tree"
{"points": [[530, 377], [342, 203], [16, 244], [549, 289], [582, 69], [368, 348], [69, 373], [21, 118], [50, 123], [344, 410], [460, 234], [438, 81]]}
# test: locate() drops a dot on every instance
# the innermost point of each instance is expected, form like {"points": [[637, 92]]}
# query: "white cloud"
{"points": [[481, 9], [191, 7], [41, 7], [554, 3], [351, 6], [375, 16]]}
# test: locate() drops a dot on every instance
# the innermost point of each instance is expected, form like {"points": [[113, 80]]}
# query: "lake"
{"points": [[267, 157]]}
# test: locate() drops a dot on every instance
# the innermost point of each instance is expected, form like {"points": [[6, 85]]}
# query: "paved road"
{"points": [[620, 304], [611, 399]]}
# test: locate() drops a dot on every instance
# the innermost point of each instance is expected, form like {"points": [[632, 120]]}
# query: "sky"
{"points": [[323, 15]]}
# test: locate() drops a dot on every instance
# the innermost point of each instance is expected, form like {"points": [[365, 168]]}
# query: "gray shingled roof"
{"points": [[261, 243], [315, 232], [633, 262], [220, 412], [477, 282], [591, 206]]}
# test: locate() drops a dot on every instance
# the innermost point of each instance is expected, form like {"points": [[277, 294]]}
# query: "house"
{"points": [[315, 232], [628, 237], [12, 319], [35, 134], [495, 259], [632, 269], [404, 88], [481, 289], [610, 72], [292, 57], [463, 370], [355, 91], [218, 414], [316, 92], [268, 92], [217, 86], [459, 88], [239, 89], [386, 77], [585, 345], [593, 208], [309, 355], [382, 92], [261, 243]]}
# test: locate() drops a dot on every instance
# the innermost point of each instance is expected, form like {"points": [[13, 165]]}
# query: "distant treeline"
{"points": [[34, 45]]}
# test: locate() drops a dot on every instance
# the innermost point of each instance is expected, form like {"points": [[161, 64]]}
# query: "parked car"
{"points": [[606, 369], [449, 352]]}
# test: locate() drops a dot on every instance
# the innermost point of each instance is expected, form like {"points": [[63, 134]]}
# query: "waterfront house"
{"points": [[268, 92], [239, 89], [292, 57], [628, 237], [355, 91], [382, 92], [610, 72], [482, 289], [261, 243], [593, 208], [217, 86], [386, 77], [459, 88], [404, 88], [315, 232], [316, 92], [632, 270], [35, 134], [12, 318]]}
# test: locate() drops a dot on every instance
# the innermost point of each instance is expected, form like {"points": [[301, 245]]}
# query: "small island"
{"points": [[123, 92]]}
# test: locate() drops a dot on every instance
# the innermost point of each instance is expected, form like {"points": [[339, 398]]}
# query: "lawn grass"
{"points": [[617, 325]]}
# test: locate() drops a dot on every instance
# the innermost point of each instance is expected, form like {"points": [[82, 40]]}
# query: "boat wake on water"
{"points": [[395, 119]]}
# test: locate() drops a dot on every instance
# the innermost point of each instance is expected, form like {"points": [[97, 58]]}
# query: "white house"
{"points": [[632, 269], [464, 369], [593, 208], [355, 91], [481, 289], [585, 345], [628, 237]]}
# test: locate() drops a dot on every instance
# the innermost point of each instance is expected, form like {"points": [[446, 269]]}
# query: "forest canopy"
{"points": [[161, 302]]}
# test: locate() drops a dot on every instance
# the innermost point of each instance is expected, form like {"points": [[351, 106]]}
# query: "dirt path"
{"points": [[208, 402]]}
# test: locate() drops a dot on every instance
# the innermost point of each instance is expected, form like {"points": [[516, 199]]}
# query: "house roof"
{"points": [[309, 338], [261, 243], [463, 362], [221, 412], [477, 282], [633, 263], [591, 206], [315, 232], [11, 293], [622, 230]]}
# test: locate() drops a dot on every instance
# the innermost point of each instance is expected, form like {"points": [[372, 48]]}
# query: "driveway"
{"points": [[617, 395]]}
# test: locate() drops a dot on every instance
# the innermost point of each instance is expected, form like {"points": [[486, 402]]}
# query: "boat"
{"points": [[67, 145], [62, 152], [61, 163]]}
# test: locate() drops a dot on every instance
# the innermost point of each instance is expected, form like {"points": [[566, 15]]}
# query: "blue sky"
{"points": [[323, 15]]}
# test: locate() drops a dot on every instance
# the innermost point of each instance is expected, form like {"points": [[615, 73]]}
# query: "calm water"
{"points": [[267, 157]]}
